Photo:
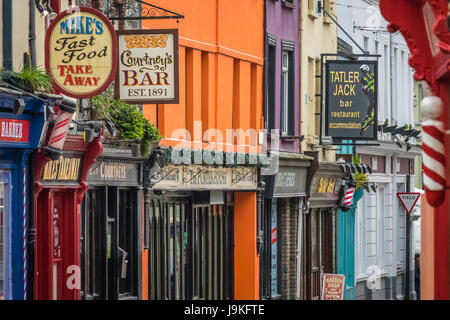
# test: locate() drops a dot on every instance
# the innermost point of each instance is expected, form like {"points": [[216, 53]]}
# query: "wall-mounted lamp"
{"points": [[45, 9]]}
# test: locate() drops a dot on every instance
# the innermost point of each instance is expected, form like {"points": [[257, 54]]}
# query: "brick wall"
{"points": [[288, 252]]}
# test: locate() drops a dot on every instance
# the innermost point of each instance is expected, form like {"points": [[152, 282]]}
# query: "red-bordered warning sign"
{"points": [[408, 200]]}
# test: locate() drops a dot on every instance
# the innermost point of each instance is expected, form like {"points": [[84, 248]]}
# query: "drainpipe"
{"points": [[395, 220], [299, 55], [299, 246], [7, 13], [391, 79], [32, 32]]}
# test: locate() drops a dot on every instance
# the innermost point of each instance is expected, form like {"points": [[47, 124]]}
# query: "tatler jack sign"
{"points": [[351, 100], [81, 52], [148, 66]]}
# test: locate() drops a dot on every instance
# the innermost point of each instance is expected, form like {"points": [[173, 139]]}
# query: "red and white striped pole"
{"points": [[433, 151], [349, 196], [24, 234], [59, 133]]}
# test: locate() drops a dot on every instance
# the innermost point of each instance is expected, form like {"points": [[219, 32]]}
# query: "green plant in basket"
{"points": [[30, 79], [127, 118], [361, 180]]}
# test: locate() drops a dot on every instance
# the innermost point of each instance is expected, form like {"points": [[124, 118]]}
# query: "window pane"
{"points": [[274, 249]]}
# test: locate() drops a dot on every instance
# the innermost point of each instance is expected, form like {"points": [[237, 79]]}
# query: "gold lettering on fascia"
{"points": [[62, 169], [286, 180], [113, 172]]}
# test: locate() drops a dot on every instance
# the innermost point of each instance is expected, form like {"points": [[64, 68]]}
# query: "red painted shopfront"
{"points": [[60, 186], [425, 26]]}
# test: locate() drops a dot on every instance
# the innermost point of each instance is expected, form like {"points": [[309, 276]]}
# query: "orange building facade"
{"points": [[200, 240]]}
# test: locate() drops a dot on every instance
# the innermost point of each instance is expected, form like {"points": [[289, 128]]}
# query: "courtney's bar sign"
{"points": [[148, 66], [12, 130], [351, 100], [81, 52]]}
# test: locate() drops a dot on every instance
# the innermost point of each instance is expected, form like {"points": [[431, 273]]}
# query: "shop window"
{"points": [[275, 250], [270, 258], [109, 248], [127, 244], [190, 251], [5, 285]]}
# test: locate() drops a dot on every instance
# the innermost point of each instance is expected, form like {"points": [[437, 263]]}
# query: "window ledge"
{"points": [[288, 5], [313, 15]]}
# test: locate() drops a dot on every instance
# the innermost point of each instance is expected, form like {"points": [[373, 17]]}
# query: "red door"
{"points": [[57, 246]]}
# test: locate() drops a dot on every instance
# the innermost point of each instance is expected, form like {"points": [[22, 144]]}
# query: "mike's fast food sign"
{"points": [[81, 52], [148, 66]]}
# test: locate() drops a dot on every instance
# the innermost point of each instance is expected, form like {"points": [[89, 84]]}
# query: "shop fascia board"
{"points": [[386, 149]]}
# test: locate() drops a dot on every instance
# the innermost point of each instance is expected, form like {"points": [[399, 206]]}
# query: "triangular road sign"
{"points": [[408, 200]]}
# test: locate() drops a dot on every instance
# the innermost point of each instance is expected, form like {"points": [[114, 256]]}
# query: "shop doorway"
{"points": [[319, 250], [109, 241], [191, 250]]}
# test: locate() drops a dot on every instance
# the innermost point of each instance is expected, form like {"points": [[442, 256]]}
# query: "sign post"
{"points": [[351, 100], [148, 66], [408, 201], [81, 52]]}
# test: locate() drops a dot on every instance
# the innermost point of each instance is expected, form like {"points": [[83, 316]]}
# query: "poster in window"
{"points": [[148, 66], [351, 100]]}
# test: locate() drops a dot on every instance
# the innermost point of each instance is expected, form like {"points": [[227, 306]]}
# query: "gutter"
{"points": [[32, 32], [7, 14]]}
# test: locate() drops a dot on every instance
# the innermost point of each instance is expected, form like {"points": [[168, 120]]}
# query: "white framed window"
{"points": [[374, 163], [380, 225], [285, 86]]}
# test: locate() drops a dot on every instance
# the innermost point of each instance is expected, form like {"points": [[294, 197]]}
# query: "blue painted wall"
{"points": [[346, 245], [14, 159]]}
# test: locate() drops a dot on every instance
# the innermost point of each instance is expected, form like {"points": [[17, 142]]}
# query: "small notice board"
{"points": [[333, 286]]}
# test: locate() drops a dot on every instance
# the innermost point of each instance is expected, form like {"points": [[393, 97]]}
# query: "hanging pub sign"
{"points": [[148, 66], [351, 100], [81, 52]]}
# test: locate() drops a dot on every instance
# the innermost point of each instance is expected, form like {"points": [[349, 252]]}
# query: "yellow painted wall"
{"points": [[311, 48]]}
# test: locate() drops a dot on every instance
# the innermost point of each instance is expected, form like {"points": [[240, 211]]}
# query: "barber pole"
{"points": [[349, 196], [24, 234], [60, 128], [433, 151]]}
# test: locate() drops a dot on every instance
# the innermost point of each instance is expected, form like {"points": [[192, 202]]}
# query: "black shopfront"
{"points": [[189, 231], [284, 197], [319, 231], [111, 225]]}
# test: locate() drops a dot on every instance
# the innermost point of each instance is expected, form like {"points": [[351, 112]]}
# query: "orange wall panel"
{"points": [[224, 117], [214, 35], [246, 261]]}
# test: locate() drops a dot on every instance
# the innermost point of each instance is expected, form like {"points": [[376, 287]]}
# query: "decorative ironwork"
{"points": [[147, 11], [190, 172], [238, 176], [160, 172]]}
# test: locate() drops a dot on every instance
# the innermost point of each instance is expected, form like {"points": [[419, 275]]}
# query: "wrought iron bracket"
{"points": [[239, 177], [199, 171], [151, 12], [151, 178]]}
